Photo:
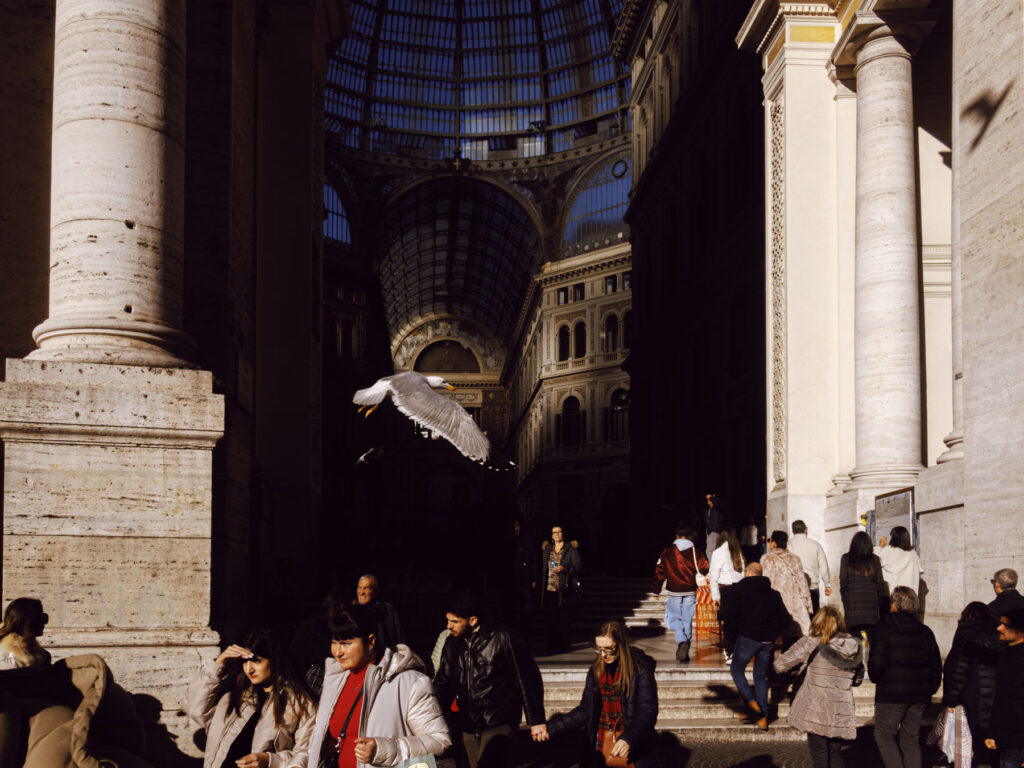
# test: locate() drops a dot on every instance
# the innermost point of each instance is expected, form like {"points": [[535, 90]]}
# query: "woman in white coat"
{"points": [[377, 706], [901, 567], [727, 566], [256, 712]]}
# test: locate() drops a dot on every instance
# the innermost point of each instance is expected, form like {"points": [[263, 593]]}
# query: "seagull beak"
{"points": [[449, 387]]}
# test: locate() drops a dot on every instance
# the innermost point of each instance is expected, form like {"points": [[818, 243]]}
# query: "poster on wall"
{"points": [[892, 509]]}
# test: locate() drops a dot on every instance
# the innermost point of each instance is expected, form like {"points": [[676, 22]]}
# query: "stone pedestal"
{"points": [[106, 499], [888, 361]]}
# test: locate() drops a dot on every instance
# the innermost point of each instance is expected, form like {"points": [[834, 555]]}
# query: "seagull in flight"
{"points": [[413, 394]]}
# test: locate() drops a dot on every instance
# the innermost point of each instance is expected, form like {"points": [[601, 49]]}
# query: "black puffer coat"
{"points": [[904, 661], [494, 677], [639, 711], [969, 675]]}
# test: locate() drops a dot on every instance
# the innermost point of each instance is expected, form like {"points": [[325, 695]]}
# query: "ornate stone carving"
{"points": [[777, 277], [487, 350]]}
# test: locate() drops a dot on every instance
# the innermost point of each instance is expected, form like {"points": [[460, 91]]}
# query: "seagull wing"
{"points": [[374, 394], [441, 414]]}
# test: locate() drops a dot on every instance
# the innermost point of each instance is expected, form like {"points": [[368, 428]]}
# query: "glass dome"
{"points": [[478, 79]]}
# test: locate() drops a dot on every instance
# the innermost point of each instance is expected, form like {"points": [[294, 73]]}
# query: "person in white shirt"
{"points": [[812, 556], [727, 566], [901, 567]]}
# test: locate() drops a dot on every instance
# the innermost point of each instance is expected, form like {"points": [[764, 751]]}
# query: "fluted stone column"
{"points": [[117, 193], [887, 341]]}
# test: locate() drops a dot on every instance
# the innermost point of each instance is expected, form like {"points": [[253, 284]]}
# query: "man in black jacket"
{"points": [[1007, 726], [754, 615], [905, 665], [491, 674]]}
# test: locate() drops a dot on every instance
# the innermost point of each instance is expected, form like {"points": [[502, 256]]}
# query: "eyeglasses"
{"points": [[606, 651]]}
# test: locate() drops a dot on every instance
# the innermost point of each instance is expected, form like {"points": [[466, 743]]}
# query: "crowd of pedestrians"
{"points": [[347, 691]]}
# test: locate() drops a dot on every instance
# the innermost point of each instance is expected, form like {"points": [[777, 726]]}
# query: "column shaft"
{"points": [[887, 343], [117, 191]]}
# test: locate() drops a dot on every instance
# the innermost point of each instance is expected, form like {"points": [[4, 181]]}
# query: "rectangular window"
{"points": [[610, 284], [579, 292], [627, 280], [563, 296]]}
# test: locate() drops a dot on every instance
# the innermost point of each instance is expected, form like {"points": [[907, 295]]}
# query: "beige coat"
{"points": [[824, 704], [286, 744], [786, 573]]}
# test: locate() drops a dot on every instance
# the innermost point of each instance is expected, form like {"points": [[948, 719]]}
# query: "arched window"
{"points": [[611, 333], [579, 340], [627, 326], [335, 218], [563, 343], [618, 415], [572, 422]]}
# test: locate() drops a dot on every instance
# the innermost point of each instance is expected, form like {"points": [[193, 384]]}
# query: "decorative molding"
{"points": [[777, 298], [486, 349]]}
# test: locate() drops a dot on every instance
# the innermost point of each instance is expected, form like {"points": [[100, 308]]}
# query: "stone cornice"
{"points": [[767, 16], [624, 41], [903, 20], [583, 270], [507, 165]]}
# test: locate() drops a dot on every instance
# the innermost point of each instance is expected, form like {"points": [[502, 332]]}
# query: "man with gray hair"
{"points": [[1004, 584], [366, 594], [906, 668]]}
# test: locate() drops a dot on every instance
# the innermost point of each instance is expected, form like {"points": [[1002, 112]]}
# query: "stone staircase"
{"points": [[697, 701]]}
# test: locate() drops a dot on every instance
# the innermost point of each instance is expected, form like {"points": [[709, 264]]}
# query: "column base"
{"points": [[113, 341], [884, 476], [107, 506], [839, 484]]}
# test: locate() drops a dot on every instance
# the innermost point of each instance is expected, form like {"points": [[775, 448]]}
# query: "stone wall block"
{"points": [[78, 490], [117, 581]]}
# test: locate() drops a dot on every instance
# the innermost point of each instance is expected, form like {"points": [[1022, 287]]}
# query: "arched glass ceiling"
{"points": [[456, 246], [478, 78], [595, 218]]}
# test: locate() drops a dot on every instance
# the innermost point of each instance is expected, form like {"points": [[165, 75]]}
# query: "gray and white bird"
{"points": [[413, 394]]}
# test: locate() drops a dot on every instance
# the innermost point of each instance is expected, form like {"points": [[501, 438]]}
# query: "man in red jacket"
{"points": [[678, 566]]}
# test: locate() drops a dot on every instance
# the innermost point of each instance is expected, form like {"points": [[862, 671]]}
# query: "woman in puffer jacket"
{"points": [[619, 706], [823, 707], [377, 707], [256, 712], [969, 675]]}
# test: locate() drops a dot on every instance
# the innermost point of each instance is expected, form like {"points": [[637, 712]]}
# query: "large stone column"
{"points": [[887, 342], [108, 433], [117, 193]]}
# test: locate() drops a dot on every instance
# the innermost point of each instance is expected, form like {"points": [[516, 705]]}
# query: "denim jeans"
{"points": [[761, 653], [1011, 758], [902, 721], [679, 613]]}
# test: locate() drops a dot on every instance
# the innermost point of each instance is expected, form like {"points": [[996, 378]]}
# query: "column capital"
{"points": [[901, 32]]}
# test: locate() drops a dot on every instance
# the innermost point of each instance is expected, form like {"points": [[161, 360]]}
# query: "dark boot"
{"points": [[683, 652]]}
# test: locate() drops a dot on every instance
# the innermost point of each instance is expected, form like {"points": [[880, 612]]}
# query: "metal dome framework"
{"points": [[477, 79]]}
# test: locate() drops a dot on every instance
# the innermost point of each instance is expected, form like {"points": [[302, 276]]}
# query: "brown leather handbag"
{"points": [[606, 750]]}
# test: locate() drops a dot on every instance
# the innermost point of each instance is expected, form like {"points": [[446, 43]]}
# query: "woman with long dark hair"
{"points": [[901, 567], [619, 706], [24, 621], [823, 707], [256, 712], [726, 569], [560, 586], [861, 586]]}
